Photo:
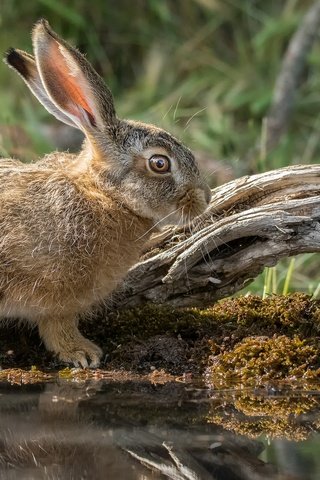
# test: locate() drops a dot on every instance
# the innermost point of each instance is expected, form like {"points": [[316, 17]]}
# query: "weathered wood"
{"points": [[252, 222]]}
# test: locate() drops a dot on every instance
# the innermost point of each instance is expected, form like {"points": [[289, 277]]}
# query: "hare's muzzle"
{"points": [[194, 202]]}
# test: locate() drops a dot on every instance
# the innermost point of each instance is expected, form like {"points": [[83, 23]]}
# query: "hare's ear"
{"points": [[70, 81], [25, 65]]}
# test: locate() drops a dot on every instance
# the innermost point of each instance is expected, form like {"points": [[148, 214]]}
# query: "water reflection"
{"points": [[139, 430]]}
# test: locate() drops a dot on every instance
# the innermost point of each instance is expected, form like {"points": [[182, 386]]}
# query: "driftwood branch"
{"points": [[252, 222]]}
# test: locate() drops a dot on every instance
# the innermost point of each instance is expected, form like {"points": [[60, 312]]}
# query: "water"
{"points": [[141, 430]]}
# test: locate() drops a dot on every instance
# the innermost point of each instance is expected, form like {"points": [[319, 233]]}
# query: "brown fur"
{"points": [[72, 225]]}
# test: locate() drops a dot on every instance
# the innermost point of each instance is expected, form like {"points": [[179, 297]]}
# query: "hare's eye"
{"points": [[159, 164]]}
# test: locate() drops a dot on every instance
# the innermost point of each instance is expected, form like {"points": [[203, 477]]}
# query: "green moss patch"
{"points": [[259, 360]]}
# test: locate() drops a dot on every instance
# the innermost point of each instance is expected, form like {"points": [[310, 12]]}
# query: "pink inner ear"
{"points": [[66, 88]]}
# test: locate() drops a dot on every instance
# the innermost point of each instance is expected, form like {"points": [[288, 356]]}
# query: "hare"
{"points": [[72, 225]]}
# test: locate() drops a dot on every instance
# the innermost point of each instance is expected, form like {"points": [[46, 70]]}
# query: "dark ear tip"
{"points": [[10, 56], [15, 60]]}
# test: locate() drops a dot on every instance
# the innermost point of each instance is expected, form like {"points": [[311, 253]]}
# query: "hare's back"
{"points": [[8, 163], [47, 233], [42, 206]]}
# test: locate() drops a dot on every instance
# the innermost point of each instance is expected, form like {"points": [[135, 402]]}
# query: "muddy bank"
{"points": [[246, 340]]}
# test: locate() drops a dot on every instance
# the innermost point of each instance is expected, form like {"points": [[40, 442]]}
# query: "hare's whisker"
{"points": [[192, 117], [167, 112], [157, 223], [176, 108]]}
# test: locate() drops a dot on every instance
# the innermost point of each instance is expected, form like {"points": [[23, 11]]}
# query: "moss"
{"points": [[137, 337], [295, 313], [292, 313], [235, 338], [258, 360]]}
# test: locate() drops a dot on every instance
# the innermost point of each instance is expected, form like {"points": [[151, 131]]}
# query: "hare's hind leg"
{"points": [[61, 336]]}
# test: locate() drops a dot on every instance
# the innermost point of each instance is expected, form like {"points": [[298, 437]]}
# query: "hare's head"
{"points": [[157, 176]]}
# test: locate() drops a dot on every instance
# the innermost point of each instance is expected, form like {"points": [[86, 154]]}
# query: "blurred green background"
{"points": [[202, 69]]}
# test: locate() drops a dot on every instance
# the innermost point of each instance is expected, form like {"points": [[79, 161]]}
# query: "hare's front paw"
{"points": [[83, 354], [61, 336]]}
